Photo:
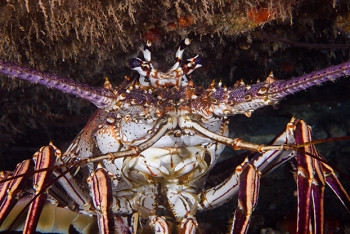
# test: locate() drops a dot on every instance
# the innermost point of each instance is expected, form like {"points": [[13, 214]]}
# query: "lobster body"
{"points": [[147, 151]]}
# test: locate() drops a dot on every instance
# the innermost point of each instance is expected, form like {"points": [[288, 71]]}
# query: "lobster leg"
{"points": [[11, 190], [263, 162], [72, 189], [101, 186], [44, 158], [311, 176], [247, 197], [333, 182], [310, 183]]}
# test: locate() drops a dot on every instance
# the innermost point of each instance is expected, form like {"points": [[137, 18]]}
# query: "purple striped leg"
{"points": [[245, 181], [249, 184], [311, 176], [44, 158], [11, 190], [101, 187]]}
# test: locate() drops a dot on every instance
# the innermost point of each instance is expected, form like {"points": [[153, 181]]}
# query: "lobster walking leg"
{"points": [[311, 176], [247, 197], [44, 158], [11, 191], [310, 183], [103, 199]]}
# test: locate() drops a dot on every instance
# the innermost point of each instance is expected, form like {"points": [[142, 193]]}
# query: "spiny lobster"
{"points": [[147, 151]]}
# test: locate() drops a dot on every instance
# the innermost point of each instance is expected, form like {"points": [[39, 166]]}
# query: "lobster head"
{"points": [[176, 76]]}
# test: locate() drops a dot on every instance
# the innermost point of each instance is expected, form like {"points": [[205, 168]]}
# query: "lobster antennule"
{"points": [[101, 97], [281, 89]]}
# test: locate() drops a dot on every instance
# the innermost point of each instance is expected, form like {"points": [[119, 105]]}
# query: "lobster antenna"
{"points": [[100, 97], [280, 89], [314, 142]]}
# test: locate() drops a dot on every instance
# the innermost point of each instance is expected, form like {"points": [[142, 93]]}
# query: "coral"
{"points": [[259, 15], [152, 35], [74, 29]]}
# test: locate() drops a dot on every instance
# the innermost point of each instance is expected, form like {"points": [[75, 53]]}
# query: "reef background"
{"points": [[90, 40]]}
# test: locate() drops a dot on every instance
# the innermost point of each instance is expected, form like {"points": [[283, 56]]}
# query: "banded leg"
{"points": [[73, 194], [112, 211], [44, 158], [249, 184], [311, 176], [264, 162], [333, 182], [102, 197], [11, 190]]}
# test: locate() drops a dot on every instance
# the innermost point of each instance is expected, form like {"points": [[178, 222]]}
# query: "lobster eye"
{"points": [[199, 60], [135, 62]]}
